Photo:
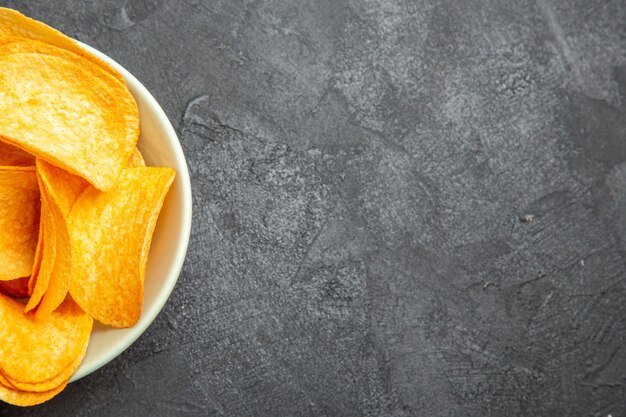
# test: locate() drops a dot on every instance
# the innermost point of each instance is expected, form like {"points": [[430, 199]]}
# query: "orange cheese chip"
{"points": [[19, 219], [25, 398], [12, 156], [15, 24], [36, 350], [15, 288], [111, 234], [93, 126]]}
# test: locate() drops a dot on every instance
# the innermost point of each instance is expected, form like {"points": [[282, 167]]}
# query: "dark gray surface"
{"points": [[362, 174]]}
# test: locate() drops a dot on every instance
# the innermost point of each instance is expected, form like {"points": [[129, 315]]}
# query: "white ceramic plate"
{"points": [[160, 147]]}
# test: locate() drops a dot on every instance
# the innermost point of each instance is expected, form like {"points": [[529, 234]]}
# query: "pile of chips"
{"points": [[78, 206]]}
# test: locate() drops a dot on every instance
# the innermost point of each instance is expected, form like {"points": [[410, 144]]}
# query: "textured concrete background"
{"points": [[363, 171]]}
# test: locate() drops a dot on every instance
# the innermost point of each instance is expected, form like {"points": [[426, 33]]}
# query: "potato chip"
{"points": [[63, 187], [61, 275], [38, 255], [36, 350], [49, 384], [13, 23], [61, 190], [136, 159], [17, 288], [12, 156], [41, 279], [111, 234], [19, 221], [19, 45], [25, 398], [77, 117]]}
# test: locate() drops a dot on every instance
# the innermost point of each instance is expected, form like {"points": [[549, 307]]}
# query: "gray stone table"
{"points": [[402, 207]]}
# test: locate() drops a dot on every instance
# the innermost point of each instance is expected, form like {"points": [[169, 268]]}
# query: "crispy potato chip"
{"points": [[19, 45], [13, 23], [25, 398], [61, 275], [12, 156], [77, 117], [17, 288], [136, 159], [7, 384], [61, 190], [22, 44], [38, 255], [36, 350], [49, 384], [19, 221], [111, 234], [63, 187], [48, 256]]}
